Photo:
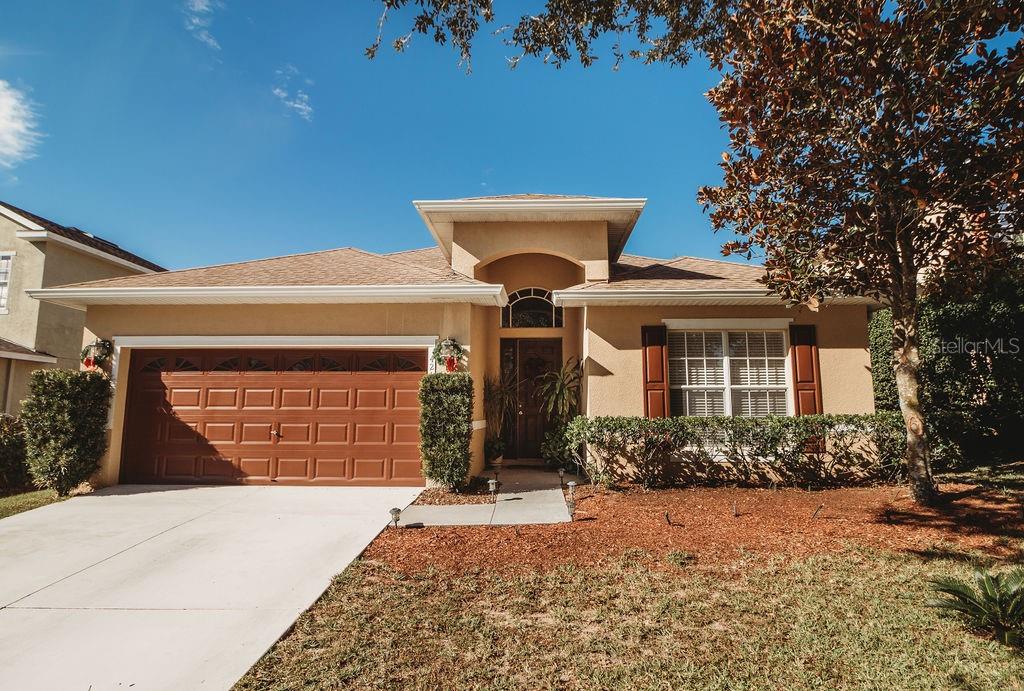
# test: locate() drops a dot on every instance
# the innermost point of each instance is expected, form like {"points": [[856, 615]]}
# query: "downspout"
{"points": [[8, 375]]}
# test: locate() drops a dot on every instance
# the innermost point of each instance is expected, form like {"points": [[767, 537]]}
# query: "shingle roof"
{"points": [[340, 267], [632, 272], [82, 237], [12, 347], [430, 257]]}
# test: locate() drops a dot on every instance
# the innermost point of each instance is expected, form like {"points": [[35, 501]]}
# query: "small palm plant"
{"points": [[559, 392], [994, 603]]}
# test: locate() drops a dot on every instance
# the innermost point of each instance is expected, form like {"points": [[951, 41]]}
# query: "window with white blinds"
{"points": [[728, 373], [6, 263]]}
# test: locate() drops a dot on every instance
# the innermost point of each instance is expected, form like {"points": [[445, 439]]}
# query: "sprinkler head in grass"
{"points": [[396, 514]]}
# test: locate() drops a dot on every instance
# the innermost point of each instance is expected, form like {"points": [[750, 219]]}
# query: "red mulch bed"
{"points": [[701, 522]]}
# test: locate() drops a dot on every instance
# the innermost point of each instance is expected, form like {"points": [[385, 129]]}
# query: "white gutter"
{"points": [[79, 297], [744, 296], [42, 235], [29, 357]]}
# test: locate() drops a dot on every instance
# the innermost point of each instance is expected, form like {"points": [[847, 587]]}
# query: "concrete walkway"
{"points": [[166, 587], [527, 496]]}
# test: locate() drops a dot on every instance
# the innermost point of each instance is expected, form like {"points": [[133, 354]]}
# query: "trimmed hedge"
{"points": [[13, 468], [446, 427], [815, 450], [65, 420]]}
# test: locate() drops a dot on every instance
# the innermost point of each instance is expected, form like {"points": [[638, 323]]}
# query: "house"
{"points": [[38, 253], [304, 369]]}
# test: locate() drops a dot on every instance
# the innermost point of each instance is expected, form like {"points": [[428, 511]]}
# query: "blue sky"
{"points": [[253, 129]]}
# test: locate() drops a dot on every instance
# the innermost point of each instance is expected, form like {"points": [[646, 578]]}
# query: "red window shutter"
{"points": [[803, 346], [654, 340]]}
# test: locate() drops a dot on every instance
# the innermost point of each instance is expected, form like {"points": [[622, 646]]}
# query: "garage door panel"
{"points": [[369, 469], [216, 468], [371, 433], [221, 398], [255, 468], [406, 434], [184, 397], [292, 468], [179, 466], [371, 399], [257, 432], [257, 399], [203, 416], [331, 469], [219, 432], [332, 433], [334, 399], [296, 399], [406, 469], [406, 399], [295, 433]]}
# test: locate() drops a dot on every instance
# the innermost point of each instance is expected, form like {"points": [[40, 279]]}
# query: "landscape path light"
{"points": [[396, 514]]}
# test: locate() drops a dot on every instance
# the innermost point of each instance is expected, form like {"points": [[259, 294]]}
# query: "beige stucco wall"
{"points": [[532, 271], [42, 326], [614, 365], [110, 321], [585, 243]]}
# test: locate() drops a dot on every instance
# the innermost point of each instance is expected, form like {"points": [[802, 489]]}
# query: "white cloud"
{"points": [[19, 126], [297, 102], [199, 18]]}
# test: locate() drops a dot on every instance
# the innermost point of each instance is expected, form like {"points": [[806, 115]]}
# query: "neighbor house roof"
{"points": [[341, 275], [37, 224], [13, 351]]}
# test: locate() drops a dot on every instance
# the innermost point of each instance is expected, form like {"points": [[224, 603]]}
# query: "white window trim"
{"points": [[510, 303], [10, 254], [726, 387]]}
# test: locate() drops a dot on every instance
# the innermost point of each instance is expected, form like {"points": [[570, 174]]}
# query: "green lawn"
{"points": [[855, 619], [25, 501]]}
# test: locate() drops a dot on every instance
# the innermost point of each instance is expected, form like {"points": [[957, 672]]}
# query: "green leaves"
{"points": [[994, 603], [821, 450], [65, 420], [446, 427]]}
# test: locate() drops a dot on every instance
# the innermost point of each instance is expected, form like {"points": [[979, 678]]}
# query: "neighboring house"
{"points": [[304, 369], [38, 253]]}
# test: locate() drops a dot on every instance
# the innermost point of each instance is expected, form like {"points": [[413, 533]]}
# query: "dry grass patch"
{"points": [[855, 619], [25, 501]]}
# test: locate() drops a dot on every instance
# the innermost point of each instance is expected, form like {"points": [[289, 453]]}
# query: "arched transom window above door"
{"points": [[531, 308]]}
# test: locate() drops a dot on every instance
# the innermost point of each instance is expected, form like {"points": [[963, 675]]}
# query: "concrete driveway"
{"points": [[170, 587]]}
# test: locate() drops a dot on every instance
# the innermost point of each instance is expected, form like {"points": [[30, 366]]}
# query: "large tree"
{"points": [[876, 147]]}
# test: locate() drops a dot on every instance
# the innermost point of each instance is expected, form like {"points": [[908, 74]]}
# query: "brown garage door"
{"points": [[330, 417]]}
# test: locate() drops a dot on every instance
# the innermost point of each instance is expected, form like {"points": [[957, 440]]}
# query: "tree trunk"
{"points": [[906, 363]]}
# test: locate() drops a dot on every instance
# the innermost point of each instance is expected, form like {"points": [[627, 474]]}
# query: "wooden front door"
{"points": [[534, 357]]}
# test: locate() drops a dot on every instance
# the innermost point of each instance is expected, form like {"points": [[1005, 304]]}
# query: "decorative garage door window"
{"points": [[728, 373], [531, 308]]}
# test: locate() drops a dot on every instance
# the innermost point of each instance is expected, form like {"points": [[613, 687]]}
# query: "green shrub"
{"points": [[13, 470], [818, 450], [883, 378], [994, 604], [972, 372], [446, 427], [65, 420]]}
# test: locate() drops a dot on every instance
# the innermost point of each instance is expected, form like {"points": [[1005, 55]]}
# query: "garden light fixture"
{"points": [[396, 513], [492, 487], [561, 476]]}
